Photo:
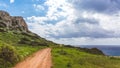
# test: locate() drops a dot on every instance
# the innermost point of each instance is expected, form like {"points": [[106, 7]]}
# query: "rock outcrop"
{"points": [[12, 23]]}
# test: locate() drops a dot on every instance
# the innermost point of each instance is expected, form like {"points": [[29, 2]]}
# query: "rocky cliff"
{"points": [[12, 23]]}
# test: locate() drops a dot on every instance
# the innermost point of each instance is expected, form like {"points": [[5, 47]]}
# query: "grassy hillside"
{"points": [[23, 38], [66, 57], [14, 47]]}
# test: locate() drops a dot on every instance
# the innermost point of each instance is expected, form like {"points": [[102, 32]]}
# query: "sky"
{"points": [[74, 22]]}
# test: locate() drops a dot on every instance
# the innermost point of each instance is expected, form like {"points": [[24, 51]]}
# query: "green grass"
{"points": [[74, 58], [25, 51], [13, 38], [14, 54], [18, 46], [10, 45]]}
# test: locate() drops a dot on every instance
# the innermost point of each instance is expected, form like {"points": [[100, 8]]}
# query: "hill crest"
{"points": [[12, 23]]}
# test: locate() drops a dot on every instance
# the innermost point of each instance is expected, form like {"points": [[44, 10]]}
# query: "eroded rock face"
{"points": [[12, 23]]}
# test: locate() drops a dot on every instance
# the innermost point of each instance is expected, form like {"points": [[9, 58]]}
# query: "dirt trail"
{"points": [[41, 59]]}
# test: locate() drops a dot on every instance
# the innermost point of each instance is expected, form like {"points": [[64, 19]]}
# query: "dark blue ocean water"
{"points": [[107, 50]]}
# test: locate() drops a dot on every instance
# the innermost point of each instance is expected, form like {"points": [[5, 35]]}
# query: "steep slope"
{"points": [[16, 41], [15, 27], [12, 23]]}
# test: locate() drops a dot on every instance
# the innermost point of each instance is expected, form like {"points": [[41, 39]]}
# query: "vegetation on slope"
{"points": [[14, 47], [66, 57], [8, 55], [91, 50]]}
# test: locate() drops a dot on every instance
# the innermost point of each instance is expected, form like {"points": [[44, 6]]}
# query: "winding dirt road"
{"points": [[40, 59]]}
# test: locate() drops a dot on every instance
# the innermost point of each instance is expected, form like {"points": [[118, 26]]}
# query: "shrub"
{"points": [[24, 41], [62, 52], [8, 55], [69, 65]]}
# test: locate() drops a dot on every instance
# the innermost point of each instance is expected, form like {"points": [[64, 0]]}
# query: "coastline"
{"points": [[108, 50]]}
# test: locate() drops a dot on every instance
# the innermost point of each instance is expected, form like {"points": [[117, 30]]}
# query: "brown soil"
{"points": [[40, 59]]}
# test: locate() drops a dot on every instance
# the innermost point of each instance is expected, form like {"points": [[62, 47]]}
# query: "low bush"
{"points": [[8, 55]]}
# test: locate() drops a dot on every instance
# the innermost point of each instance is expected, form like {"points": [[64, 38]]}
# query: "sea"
{"points": [[110, 50]]}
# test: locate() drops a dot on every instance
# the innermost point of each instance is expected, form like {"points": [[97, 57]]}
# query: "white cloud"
{"points": [[87, 41], [11, 1], [108, 22], [38, 7], [58, 8], [83, 32]]}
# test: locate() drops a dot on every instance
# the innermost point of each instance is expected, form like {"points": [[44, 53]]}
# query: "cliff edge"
{"points": [[12, 23]]}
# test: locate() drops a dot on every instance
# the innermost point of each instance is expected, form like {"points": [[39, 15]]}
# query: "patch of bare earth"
{"points": [[40, 59]]}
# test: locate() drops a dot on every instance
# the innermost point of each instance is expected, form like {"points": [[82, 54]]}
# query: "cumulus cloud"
{"points": [[38, 7], [104, 6], [78, 21], [97, 26], [87, 41], [58, 9], [11, 1]]}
